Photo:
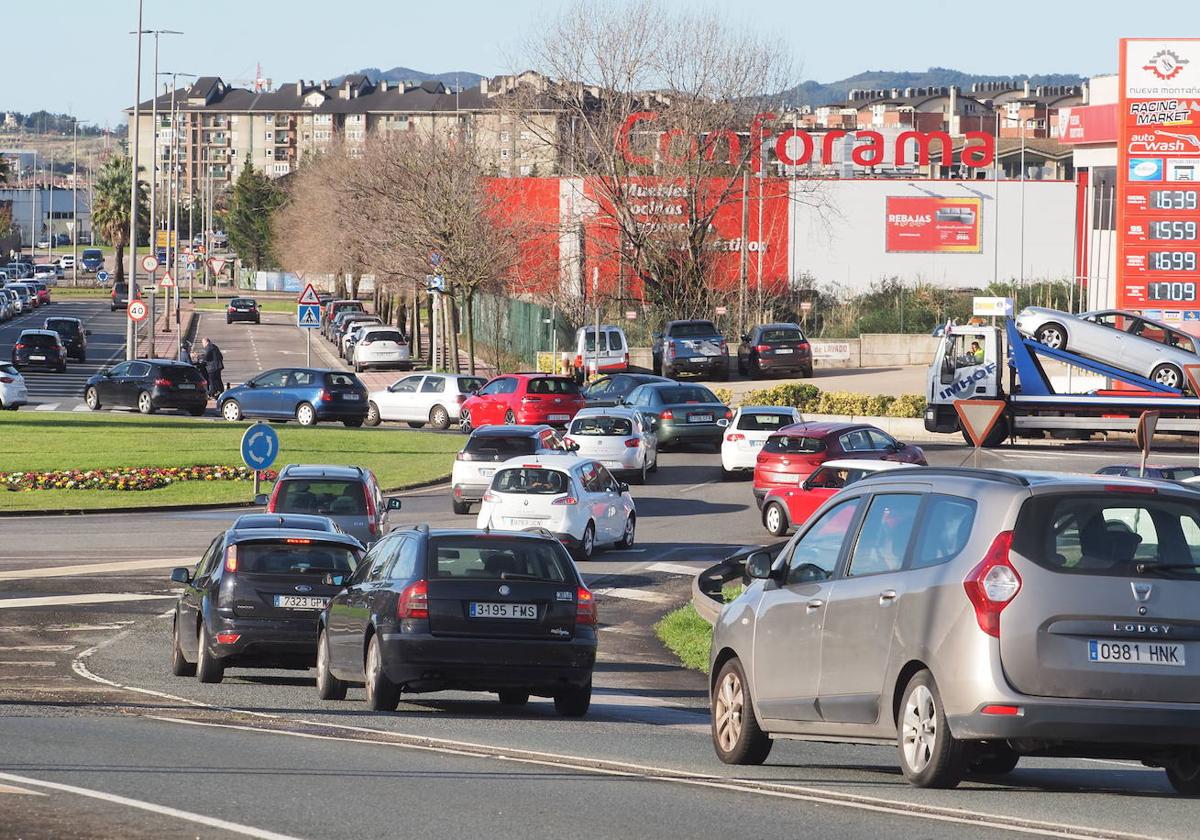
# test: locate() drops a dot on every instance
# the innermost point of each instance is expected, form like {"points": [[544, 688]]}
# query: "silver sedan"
{"points": [[1124, 340]]}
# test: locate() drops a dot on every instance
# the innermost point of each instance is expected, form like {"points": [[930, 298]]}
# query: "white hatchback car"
{"points": [[12, 388], [433, 398], [381, 346], [744, 436], [621, 439], [487, 448], [575, 499]]}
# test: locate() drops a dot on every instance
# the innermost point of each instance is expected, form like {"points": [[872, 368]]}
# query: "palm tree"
{"points": [[110, 208]]}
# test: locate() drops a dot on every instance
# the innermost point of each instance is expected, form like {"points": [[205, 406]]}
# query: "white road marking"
{"points": [[675, 569], [626, 551], [82, 407], [13, 789], [96, 568], [51, 406], [696, 486], [41, 648], [92, 598], [27, 664], [633, 595], [200, 819], [64, 628]]}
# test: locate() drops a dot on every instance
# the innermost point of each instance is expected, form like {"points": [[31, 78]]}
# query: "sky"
{"points": [[86, 63]]}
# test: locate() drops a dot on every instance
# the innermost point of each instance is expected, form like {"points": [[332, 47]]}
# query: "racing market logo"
{"points": [[1165, 64]]}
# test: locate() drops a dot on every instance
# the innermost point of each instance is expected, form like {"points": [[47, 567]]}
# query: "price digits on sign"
{"points": [[1171, 260], [1172, 230], [1172, 291], [1173, 199]]}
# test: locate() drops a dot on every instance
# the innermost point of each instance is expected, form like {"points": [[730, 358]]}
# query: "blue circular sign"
{"points": [[102, 276], [260, 446]]}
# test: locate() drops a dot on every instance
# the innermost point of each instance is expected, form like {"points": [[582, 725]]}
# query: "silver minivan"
{"points": [[972, 617], [350, 496]]}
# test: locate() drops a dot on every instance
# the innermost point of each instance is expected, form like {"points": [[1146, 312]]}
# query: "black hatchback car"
{"points": [[148, 385], [73, 335], [119, 297], [243, 309], [503, 612], [609, 391], [41, 349], [775, 348], [253, 599]]}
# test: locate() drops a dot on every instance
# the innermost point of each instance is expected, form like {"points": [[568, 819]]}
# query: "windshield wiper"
{"points": [[1166, 568], [519, 576]]}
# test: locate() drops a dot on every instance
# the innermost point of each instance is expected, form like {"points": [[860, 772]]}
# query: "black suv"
{"points": [[73, 335], [433, 610], [243, 309], [252, 599], [148, 385], [39, 348]]}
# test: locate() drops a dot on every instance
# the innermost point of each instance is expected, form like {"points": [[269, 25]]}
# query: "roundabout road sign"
{"points": [[102, 276], [137, 310], [260, 446]]}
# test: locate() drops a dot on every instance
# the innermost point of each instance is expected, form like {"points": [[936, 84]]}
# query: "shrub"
{"points": [[789, 394], [863, 405], [724, 395], [908, 405]]}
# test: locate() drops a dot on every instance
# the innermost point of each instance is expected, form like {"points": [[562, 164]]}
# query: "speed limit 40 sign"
{"points": [[137, 310]]}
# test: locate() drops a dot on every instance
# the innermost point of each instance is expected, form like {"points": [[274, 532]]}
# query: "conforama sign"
{"points": [[677, 146]]}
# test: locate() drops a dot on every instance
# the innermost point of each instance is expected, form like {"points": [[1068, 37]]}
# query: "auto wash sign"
{"points": [[798, 146]]}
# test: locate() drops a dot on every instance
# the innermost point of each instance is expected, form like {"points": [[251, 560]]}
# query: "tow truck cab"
{"points": [[959, 372]]}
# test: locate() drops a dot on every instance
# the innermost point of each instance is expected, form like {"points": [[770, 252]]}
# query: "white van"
{"points": [[613, 353]]}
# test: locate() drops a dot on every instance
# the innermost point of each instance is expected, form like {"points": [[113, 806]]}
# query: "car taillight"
{"points": [[162, 382], [585, 607], [633, 443], [993, 584], [231, 309], [762, 348], [274, 497], [414, 601], [231, 559], [667, 415], [7, 380], [372, 515], [729, 414], [804, 345], [626, 360], [565, 500], [489, 496], [228, 638], [671, 350], [578, 361], [325, 396], [733, 437], [19, 345]]}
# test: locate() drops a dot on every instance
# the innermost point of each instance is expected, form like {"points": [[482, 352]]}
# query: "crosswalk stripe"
{"points": [[92, 598]]}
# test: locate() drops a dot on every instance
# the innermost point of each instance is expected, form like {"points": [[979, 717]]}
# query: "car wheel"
{"points": [[627, 538], [992, 759], [807, 373], [930, 757], [464, 422], [640, 477], [574, 702], [737, 738], [510, 419], [587, 544], [439, 418], [145, 404], [726, 475], [353, 424], [180, 667], [721, 374], [755, 370], [1168, 375], [669, 373], [513, 697], [329, 687], [209, 668], [461, 508], [416, 425], [1052, 335], [358, 368], [996, 436], [1184, 774], [306, 415], [231, 411], [372, 414], [775, 519], [383, 695], [198, 411], [228, 321], [92, 398], [654, 466]]}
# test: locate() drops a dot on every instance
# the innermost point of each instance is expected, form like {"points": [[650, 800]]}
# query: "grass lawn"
{"points": [[54, 441], [75, 292], [689, 636], [207, 304]]}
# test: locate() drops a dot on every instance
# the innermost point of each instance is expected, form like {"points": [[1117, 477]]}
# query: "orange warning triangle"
{"points": [[978, 417]]}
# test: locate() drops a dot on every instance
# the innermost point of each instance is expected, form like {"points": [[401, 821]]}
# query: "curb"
{"points": [[6, 514]]}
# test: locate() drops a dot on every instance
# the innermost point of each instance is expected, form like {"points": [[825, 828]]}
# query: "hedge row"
{"points": [[810, 398]]}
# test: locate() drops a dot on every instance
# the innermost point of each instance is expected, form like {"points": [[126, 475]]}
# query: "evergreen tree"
{"points": [[248, 223]]}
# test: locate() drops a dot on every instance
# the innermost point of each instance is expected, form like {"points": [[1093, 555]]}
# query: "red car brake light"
{"points": [[733, 437], [992, 585], [414, 601], [762, 348], [667, 415], [163, 382], [585, 607], [372, 513], [21, 346], [633, 443], [325, 396], [565, 500], [231, 559]]}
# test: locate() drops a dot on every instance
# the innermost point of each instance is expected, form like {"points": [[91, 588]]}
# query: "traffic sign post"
{"points": [[978, 418], [308, 318], [260, 448], [137, 310], [1147, 423]]}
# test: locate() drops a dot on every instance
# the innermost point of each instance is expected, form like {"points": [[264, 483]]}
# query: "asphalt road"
{"points": [[86, 700]]}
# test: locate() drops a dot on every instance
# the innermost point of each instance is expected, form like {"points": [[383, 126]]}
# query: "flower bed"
{"points": [[130, 478]]}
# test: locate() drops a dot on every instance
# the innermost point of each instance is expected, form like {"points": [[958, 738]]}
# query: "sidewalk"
{"points": [[166, 336]]}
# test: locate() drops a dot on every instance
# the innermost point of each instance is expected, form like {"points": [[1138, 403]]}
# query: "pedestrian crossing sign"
{"points": [[308, 316]]}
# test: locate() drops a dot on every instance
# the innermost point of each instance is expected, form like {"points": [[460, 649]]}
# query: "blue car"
{"points": [[306, 395]]}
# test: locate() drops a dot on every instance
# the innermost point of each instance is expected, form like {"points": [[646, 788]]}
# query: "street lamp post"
{"points": [[130, 326], [173, 196]]}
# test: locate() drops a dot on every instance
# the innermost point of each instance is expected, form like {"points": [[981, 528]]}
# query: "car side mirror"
{"points": [[334, 580], [759, 564], [393, 503], [249, 384], [261, 499], [573, 446], [106, 372], [181, 575], [623, 487], [745, 337], [807, 485]]}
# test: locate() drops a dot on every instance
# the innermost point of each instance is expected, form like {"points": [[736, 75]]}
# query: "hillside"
{"points": [[818, 93], [407, 74]]}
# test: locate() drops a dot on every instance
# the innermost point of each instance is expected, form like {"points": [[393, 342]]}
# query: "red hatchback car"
{"points": [[524, 399], [789, 455]]}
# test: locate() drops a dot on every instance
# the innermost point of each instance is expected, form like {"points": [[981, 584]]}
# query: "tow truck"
{"points": [[1088, 397]]}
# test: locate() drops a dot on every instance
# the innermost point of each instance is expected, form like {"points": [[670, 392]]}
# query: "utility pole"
{"points": [[744, 262], [130, 326], [154, 144], [75, 206]]}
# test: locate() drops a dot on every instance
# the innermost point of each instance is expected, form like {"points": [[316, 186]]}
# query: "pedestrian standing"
{"points": [[185, 352], [214, 363]]}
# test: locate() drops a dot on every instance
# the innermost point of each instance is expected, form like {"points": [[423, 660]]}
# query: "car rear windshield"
{"points": [[295, 556], [38, 340], [1111, 533], [341, 380], [243, 302], [326, 497], [62, 326], [793, 444], [498, 558], [552, 385], [602, 426], [764, 422], [8, 369], [182, 373], [780, 336], [534, 481], [687, 394], [386, 335], [504, 446], [609, 340], [1180, 473], [698, 329]]}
